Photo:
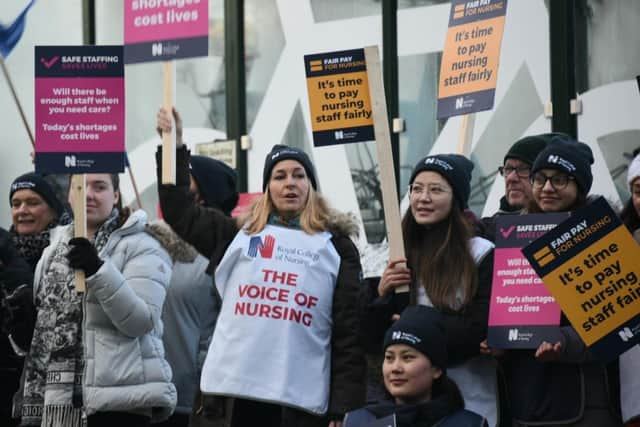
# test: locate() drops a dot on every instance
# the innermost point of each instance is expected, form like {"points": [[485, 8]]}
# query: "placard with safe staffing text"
{"points": [[80, 109]]}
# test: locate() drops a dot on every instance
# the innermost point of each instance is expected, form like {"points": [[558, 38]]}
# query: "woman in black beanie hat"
{"points": [[561, 383], [449, 269], [35, 211], [286, 348], [415, 377], [561, 176]]}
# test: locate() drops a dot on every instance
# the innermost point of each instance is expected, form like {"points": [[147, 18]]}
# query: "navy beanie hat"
{"points": [[284, 152], [456, 169], [216, 183], [34, 182], [527, 149], [421, 327], [569, 156]]}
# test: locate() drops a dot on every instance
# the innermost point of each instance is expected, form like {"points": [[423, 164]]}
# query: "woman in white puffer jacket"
{"points": [[99, 354]]}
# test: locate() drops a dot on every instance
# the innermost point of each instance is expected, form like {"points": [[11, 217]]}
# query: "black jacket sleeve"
{"points": [[207, 229], [348, 364], [17, 313], [468, 328]]}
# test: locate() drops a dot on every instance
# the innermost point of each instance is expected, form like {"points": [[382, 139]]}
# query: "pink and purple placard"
{"points": [[79, 109], [522, 312], [161, 30]]}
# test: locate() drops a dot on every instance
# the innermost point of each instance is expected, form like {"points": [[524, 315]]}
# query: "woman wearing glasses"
{"points": [[561, 384], [448, 268]]}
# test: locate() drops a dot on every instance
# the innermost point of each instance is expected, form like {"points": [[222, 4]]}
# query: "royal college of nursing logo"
{"points": [[265, 248], [625, 334]]}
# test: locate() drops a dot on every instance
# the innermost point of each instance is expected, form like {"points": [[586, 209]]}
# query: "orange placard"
{"points": [[470, 59], [339, 99]]}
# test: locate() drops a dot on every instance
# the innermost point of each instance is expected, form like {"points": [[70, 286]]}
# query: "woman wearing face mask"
{"points": [[449, 269], [561, 384], [99, 354], [415, 377], [286, 341]]}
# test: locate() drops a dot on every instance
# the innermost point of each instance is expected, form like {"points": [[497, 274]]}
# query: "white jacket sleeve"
{"points": [[133, 298]]}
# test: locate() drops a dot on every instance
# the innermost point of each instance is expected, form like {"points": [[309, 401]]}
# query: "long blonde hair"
{"points": [[314, 217]]}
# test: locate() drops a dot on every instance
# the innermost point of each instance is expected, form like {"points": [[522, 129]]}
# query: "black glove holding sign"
{"points": [[84, 256]]}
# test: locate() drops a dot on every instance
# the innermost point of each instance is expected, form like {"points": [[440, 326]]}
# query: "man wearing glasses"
{"points": [[516, 171]]}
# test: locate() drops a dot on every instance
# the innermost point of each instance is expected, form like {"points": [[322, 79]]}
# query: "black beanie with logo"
{"points": [[569, 156], [34, 182], [284, 152], [422, 328], [456, 169]]}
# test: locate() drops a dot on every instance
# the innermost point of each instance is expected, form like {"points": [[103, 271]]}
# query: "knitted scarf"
{"points": [[30, 246], [290, 223], [54, 366]]}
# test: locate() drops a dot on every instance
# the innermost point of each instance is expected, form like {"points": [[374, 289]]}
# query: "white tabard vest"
{"points": [[272, 341]]}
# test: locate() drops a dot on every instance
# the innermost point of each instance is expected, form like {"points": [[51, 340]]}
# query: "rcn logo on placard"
{"points": [[459, 103], [70, 161], [159, 49], [156, 49], [625, 334], [339, 134], [513, 335], [265, 248]]}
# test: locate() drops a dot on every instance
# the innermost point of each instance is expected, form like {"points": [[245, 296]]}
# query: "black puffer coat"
{"points": [[14, 272]]}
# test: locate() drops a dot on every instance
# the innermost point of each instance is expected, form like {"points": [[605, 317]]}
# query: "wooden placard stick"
{"points": [[466, 134], [169, 138], [385, 156], [79, 189]]}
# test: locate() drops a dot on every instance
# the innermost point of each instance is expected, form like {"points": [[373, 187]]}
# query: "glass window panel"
{"points": [[330, 10]]}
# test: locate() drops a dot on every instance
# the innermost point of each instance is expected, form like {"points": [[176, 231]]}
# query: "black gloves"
{"points": [[20, 315], [84, 256]]}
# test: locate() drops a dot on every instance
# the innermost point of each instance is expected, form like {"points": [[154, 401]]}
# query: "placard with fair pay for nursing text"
{"points": [[470, 58], [339, 100], [590, 265]]}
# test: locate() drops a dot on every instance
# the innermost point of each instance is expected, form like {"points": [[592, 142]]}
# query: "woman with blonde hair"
{"points": [[286, 344]]}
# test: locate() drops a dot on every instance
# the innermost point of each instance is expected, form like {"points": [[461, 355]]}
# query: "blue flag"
{"points": [[10, 35]]}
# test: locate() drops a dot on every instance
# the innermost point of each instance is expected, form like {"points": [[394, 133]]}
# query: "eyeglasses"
{"points": [[558, 182], [434, 191], [521, 171]]}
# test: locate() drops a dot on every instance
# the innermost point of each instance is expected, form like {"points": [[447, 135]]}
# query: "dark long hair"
{"points": [[630, 216], [123, 212], [440, 258]]}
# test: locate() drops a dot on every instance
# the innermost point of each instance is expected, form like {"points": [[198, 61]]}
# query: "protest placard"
{"points": [[163, 30], [470, 58], [80, 109], [522, 312], [590, 265], [339, 101]]}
